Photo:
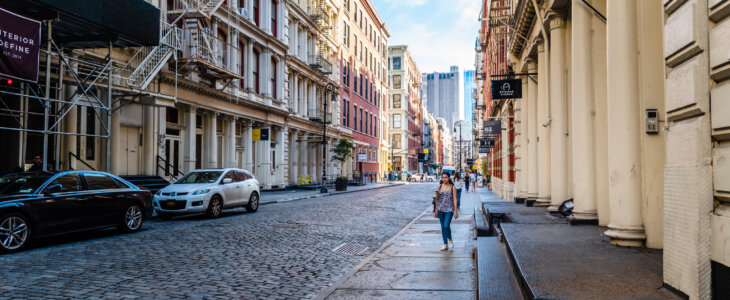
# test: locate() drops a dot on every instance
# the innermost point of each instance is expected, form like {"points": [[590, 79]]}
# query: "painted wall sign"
{"points": [[20, 44], [507, 89]]}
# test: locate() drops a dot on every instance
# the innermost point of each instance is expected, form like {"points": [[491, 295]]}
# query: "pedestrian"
{"points": [[489, 182], [37, 164], [466, 181], [446, 204], [459, 183], [473, 181]]}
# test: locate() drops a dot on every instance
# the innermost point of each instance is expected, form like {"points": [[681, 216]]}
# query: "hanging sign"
{"points": [[20, 45], [492, 127], [507, 89], [483, 148], [256, 134]]}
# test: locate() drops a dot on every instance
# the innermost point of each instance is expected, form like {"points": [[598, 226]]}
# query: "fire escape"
{"points": [[320, 61], [148, 61]]}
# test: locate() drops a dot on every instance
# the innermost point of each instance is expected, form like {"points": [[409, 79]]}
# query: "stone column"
{"points": [[148, 140], [506, 194], [265, 70], [293, 157], [522, 149], [532, 128], [230, 137], [249, 67], [248, 147], [189, 138], [114, 132], [281, 139], [295, 95], [560, 183], [624, 144], [212, 141], [584, 158], [543, 133], [69, 141], [303, 155]]}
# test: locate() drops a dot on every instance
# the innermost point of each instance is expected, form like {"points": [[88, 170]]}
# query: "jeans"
{"points": [[458, 197], [445, 220], [467, 186]]}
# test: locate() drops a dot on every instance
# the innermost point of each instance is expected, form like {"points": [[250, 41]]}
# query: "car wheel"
{"points": [[164, 216], [253, 203], [215, 206], [132, 219], [14, 232]]}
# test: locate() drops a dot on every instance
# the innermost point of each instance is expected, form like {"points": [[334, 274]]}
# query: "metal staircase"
{"points": [[318, 13], [148, 61], [195, 8]]}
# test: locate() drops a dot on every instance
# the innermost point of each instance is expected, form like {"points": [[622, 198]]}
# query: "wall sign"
{"points": [[20, 40], [507, 89], [362, 156], [492, 127]]}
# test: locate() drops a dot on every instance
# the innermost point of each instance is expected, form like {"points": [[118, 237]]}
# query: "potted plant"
{"points": [[342, 151]]}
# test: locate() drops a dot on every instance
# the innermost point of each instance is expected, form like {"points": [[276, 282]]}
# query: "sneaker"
{"points": [[451, 245], [444, 248]]}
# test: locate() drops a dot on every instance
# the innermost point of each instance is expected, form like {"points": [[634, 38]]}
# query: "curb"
{"points": [[329, 290], [327, 194]]}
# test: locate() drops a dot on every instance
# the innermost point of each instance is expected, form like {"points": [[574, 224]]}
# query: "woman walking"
{"points": [[459, 183], [446, 204]]}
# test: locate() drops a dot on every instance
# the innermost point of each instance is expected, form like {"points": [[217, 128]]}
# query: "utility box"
{"points": [[652, 121]]}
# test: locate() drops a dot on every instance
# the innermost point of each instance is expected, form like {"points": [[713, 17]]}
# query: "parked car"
{"points": [[208, 191], [422, 177], [37, 204]]}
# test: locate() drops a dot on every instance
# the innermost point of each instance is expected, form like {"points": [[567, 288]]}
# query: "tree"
{"points": [[342, 151]]}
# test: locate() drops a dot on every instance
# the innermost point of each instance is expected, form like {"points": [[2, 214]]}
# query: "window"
{"points": [[355, 120], [230, 175], [344, 112], [396, 121], [256, 71], [99, 182], [355, 87], [274, 27], [375, 127], [396, 82], [345, 34], [396, 63], [365, 129], [69, 183], [372, 127], [272, 88], [355, 13], [366, 86], [361, 117], [361, 81], [360, 19], [239, 176], [90, 129], [355, 45], [345, 73], [396, 141], [396, 101], [256, 13], [347, 4]]}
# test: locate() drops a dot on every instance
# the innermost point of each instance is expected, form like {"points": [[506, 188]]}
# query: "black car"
{"points": [[37, 204]]}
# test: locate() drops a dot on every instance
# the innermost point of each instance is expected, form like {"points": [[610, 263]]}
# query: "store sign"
{"points": [[483, 146], [492, 127], [507, 89], [422, 157], [362, 156], [260, 134], [20, 40], [469, 161]]}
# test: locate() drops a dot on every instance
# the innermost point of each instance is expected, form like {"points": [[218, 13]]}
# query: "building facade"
{"points": [[622, 112], [237, 83], [363, 55], [442, 91], [468, 103], [405, 110]]}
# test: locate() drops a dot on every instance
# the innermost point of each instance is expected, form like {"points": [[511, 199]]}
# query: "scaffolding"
{"points": [[78, 72]]}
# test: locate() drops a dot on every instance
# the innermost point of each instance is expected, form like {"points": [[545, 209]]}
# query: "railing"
{"points": [[201, 45], [320, 63], [71, 154], [166, 166], [205, 6], [170, 36]]}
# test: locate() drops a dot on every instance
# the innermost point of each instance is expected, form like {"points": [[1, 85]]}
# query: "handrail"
{"points": [[71, 154], [165, 167]]}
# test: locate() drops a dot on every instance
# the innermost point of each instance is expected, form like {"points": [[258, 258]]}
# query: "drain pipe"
{"points": [[547, 59]]}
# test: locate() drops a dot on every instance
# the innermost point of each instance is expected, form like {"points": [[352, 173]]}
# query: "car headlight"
{"points": [[158, 192], [201, 191]]}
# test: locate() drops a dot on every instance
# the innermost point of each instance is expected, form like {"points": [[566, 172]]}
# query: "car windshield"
{"points": [[21, 183], [200, 177]]}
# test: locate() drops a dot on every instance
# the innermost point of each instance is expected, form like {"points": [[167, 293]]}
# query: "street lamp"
{"points": [[459, 123], [328, 88]]}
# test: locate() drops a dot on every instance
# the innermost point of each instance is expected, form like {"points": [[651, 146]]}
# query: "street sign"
{"points": [[493, 127], [469, 161], [507, 89]]}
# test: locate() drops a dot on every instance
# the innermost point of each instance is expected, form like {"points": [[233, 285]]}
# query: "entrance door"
{"points": [[173, 157], [129, 149]]}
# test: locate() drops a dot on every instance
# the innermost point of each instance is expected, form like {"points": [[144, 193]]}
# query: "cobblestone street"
{"points": [[282, 251]]}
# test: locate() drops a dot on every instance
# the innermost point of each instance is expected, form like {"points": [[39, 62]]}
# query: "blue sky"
{"points": [[439, 33]]}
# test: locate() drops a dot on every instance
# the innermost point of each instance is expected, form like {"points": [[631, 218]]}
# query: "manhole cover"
{"points": [[283, 225], [351, 248]]}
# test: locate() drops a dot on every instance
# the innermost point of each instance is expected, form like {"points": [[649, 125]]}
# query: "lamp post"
{"points": [[328, 88], [459, 123]]}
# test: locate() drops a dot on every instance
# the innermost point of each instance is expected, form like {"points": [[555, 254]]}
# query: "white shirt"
{"points": [[459, 184]]}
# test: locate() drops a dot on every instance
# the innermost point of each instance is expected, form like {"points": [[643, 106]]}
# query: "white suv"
{"points": [[208, 191]]}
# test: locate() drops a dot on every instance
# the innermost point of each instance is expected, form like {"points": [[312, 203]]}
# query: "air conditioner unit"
{"points": [[243, 11]]}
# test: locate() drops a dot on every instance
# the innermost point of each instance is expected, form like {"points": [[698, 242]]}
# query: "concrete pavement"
{"points": [[411, 266]]}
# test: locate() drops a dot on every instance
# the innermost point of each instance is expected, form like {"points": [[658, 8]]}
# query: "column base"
{"points": [[584, 218], [542, 201], [519, 200], [553, 208], [626, 236]]}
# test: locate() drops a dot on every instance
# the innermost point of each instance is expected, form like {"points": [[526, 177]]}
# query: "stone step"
{"points": [[495, 277]]}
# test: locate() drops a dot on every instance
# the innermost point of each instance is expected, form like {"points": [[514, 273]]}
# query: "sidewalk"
{"points": [[293, 195], [556, 260], [410, 265]]}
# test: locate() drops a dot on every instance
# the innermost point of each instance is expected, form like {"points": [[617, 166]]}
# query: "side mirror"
{"points": [[52, 188], [227, 180]]}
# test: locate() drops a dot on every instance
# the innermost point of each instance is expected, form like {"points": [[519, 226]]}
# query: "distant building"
{"points": [[442, 92], [469, 87], [405, 109]]}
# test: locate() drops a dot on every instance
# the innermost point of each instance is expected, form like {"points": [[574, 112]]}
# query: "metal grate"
{"points": [[351, 248]]}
